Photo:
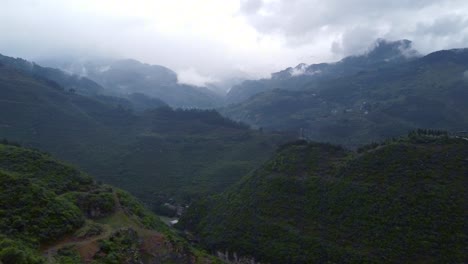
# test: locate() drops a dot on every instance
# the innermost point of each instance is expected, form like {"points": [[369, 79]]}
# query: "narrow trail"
{"points": [[88, 246], [52, 250], [117, 205], [76, 242]]}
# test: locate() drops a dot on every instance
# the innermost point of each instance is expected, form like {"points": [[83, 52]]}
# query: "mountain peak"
{"points": [[381, 51], [385, 50]]}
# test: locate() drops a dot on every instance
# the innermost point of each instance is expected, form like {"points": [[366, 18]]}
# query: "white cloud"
{"points": [[218, 38], [349, 26], [192, 77], [465, 75]]}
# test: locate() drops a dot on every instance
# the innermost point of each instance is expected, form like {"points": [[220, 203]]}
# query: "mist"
{"points": [[210, 41]]}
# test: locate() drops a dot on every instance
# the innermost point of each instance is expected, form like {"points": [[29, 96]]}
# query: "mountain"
{"points": [[381, 54], [123, 77], [54, 77], [77, 84], [54, 213], [403, 201], [369, 105], [160, 155]]}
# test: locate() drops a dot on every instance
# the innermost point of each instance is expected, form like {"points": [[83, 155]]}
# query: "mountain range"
{"points": [[380, 54], [158, 154], [381, 94], [312, 165], [127, 76]]}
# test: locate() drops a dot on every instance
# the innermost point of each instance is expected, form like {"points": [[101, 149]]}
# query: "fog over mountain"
{"points": [[209, 41], [244, 131]]}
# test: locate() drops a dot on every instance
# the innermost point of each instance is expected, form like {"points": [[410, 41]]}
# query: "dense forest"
{"points": [[157, 154], [402, 201], [51, 212], [312, 165]]}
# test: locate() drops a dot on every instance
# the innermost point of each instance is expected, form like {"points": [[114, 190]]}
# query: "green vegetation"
{"points": [[52, 77], [159, 155], [382, 54], [354, 108], [399, 201], [51, 212], [13, 251], [127, 77], [403, 201]]}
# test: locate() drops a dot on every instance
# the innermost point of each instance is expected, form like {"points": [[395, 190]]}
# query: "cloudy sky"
{"points": [[206, 40]]}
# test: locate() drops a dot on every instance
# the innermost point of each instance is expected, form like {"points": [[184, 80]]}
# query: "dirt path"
{"points": [[52, 250], [76, 242], [89, 246]]}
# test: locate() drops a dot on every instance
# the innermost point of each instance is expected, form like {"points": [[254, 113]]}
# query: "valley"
{"points": [[363, 160]]}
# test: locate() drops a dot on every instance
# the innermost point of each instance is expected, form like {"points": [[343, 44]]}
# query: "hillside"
{"points": [[51, 212], [380, 55], [403, 201], [35, 112], [157, 155], [52, 76], [124, 77], [371, 105]]}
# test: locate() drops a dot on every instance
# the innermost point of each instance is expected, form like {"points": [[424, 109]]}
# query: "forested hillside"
{"points": [[403, 201], [124, 77], [158, 154], [366, 104], [51, 76], [51, 212], [380, 55], [234, 131]]}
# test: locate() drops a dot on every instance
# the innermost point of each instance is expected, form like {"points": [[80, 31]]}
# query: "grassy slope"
{"points": [[50, 209], [401, 202]]}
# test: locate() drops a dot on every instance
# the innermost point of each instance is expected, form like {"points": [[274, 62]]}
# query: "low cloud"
{"points": [[192, 77], [465, 75], [221, 38]]}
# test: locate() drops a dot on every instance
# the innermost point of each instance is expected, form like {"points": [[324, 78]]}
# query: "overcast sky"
{"points": [[207, 40]]}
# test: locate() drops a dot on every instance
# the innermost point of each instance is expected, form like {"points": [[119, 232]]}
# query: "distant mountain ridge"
{"points": [[157, 154], [76, 83], [382, 53], [365, 104], [123, 77], [67, 81]]}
